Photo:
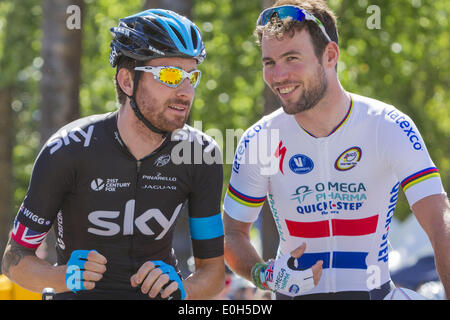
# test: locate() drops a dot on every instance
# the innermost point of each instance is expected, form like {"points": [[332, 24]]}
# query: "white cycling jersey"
{"points": [[337, 193]]}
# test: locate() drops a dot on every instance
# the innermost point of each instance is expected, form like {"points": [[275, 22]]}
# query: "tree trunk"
{"points": [[60, 84], [61, 51], [5, 166]]}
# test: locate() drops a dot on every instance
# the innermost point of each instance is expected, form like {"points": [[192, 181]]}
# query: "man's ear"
{"points": [[125, 80], [331, 55]]}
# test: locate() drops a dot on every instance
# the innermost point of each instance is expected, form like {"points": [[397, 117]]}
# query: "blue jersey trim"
{"points": [[207, 227]]}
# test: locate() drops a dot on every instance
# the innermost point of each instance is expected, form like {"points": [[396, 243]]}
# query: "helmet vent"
{"points": [[147, 29], [178, 36], [194, 37], [157, 24], [124, 40]]}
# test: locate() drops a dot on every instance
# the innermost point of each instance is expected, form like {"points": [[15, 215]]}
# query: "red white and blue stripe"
{"points": [[337, 227], [25, 236]]}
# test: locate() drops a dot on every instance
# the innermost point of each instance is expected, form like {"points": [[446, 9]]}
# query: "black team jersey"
{"points": [[96, 195]]}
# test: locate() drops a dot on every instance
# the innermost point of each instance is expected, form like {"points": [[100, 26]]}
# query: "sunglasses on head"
{"points": [[293, 12], [172, 76]]}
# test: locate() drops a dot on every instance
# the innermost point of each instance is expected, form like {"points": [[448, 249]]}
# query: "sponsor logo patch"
{"points": [[281, 153], [162, 160], [348, 159], [301, 164], [110, 185]]}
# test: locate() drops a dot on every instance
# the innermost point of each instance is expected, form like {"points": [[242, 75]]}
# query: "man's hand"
{"points": [[316, 268], [153, 276], [84, 269], [283, 276]]}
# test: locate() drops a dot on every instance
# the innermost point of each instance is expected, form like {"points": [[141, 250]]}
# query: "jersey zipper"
{"points": [[138, 169], [132, 238], [325, 157]]}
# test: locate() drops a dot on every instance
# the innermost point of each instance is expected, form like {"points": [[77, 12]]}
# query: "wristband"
{"points": [[282, 276], [258, 274]]}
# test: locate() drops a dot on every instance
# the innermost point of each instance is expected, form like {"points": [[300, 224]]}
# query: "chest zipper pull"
{"points": [[138, 165]]}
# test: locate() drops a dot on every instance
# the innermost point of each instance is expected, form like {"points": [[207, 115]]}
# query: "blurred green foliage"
{"points": [[405, 62], [20, 65]]}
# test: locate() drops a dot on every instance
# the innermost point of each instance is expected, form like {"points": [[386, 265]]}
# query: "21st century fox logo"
{"points": [[110, 185], [97, 184]]}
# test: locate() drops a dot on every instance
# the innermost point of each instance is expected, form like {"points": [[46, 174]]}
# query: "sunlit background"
{"points": [[394, 51]]}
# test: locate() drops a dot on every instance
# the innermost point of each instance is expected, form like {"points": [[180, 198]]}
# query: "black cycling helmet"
{"points": [[150, 34], [156, 33]]}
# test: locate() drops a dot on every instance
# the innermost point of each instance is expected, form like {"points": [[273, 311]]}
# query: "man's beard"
{"points": [[158, 116], [310, 96]]}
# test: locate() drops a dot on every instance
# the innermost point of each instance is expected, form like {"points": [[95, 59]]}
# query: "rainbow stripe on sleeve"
{"points": [[420, 176], [244, 199]]}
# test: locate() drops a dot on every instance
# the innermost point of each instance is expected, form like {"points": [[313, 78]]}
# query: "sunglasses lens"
{"points": [[171, 76], [282, 13], [264, 17], [195, 77]]}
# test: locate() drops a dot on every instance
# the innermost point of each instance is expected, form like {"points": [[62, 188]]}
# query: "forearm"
{"points": [[442, 261], [433, 214], [441, 245], [240, 255], [23, 267], [208, 279]]}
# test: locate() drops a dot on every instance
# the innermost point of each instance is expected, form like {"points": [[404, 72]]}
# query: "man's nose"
{"points": [[185, 89], [279, 73]]}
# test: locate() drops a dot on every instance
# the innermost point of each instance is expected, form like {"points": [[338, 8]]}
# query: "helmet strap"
{"points": [[136, 110]]}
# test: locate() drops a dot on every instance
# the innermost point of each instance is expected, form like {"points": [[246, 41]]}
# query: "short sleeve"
{"points": [[406, 153], [205, 219], [248, 184], [51, 178]]}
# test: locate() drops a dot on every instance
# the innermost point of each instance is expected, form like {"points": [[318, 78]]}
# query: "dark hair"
{"points": [[318, 8], [129, 64]]}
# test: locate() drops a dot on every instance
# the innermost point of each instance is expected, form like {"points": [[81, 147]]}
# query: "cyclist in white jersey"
{"points": [[336, 165]]}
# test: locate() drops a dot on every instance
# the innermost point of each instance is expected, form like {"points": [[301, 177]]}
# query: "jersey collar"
{"points": [[347, 116], [113, 133]]}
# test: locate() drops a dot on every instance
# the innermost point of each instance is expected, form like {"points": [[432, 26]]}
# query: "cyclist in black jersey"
{"points": [[113, 185]]}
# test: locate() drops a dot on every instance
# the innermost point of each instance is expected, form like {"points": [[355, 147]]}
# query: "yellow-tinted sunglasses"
{"points": [[172, 76]]}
